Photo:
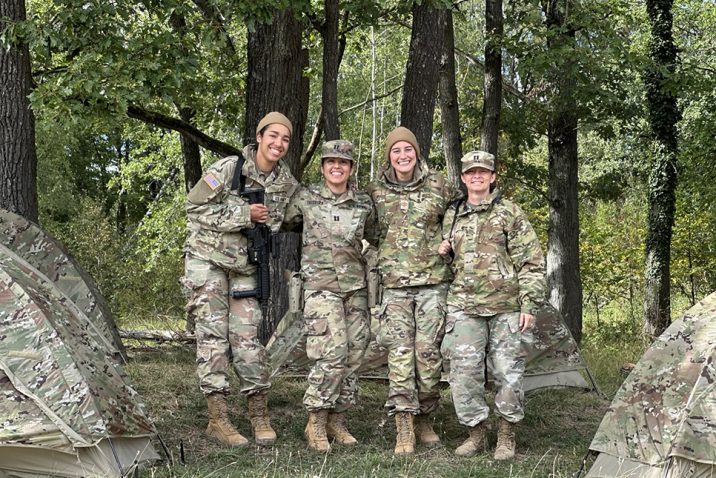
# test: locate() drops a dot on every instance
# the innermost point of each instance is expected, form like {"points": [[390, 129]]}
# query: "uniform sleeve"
{"points": [[370, 230], [446, 227], [527, 257], [293, 219], [211, 207]]}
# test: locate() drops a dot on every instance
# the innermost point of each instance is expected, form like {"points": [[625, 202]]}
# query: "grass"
{"points": [[551, 441]]}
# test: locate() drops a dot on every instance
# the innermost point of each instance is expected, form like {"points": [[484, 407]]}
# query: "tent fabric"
{"points": [[66, 407], [662, 420], [553, 358], [35, 246]]}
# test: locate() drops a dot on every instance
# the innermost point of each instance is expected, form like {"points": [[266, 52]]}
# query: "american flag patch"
{"points": [[212, 181]]}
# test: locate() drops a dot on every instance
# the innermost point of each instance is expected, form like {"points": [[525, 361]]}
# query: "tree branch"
{"points": [[505, 86], [215, 18], [370, 100], [175, 124], [313, 144]]}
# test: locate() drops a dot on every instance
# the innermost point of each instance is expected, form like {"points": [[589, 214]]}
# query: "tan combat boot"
{"points": [[258, 414], [424, 431], [337, 429], [220, 426], [475, 442], [505, 448], [405, 435], [316, 431]]}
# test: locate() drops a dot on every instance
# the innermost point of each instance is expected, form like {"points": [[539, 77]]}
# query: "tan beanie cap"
{"points": [[401, 133], [274, 117]]}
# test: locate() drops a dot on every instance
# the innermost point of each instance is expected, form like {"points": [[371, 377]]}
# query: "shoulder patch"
{"points": [[211, 180]]}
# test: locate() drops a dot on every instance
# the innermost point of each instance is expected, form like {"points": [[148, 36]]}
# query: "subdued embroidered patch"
{"points": [[212, 181]]}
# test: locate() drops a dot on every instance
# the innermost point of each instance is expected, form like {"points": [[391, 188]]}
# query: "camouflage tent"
{"points": [[662, 421], [553, 357], [47, 255], [66, 407]]}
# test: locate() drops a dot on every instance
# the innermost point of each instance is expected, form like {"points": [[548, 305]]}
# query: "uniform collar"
{"points": [[325, 192], [389, 178], [252, 171], [483, 205]]}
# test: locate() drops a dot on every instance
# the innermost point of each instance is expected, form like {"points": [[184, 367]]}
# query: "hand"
{"points": [[259, 213], [444, 248], [527, 321]]}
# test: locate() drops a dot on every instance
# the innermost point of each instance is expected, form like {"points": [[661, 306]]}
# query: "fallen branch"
{"points": [[159, 335]]}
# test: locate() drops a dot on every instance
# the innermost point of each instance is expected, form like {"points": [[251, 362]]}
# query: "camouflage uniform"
{"points": [[414, 278], [335, 299], [216, 263], [499, 272]]}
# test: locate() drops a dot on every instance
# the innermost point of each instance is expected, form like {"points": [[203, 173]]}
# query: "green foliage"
{"points": [[91, 59]]}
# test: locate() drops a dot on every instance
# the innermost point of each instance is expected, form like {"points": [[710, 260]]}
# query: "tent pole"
{"points": [[116, 458]]}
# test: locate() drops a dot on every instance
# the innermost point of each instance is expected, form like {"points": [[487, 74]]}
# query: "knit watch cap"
{"points": [[401, 133], [274, 117]]}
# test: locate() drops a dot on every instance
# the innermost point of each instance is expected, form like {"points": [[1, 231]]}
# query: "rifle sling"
{"points": [[239, 180]]}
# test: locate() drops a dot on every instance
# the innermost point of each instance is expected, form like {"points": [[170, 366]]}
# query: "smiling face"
{"points": [[403, 158], [272, 146], [477, 181], [336, 172]]}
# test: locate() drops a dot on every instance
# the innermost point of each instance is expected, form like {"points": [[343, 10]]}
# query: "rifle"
{"points": [[261, 244]]}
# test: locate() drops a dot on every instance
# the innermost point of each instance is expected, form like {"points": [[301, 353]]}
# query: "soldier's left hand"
{"points": [[527, 321]]}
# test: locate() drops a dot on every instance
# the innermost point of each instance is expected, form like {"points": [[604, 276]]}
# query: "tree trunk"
{"points": [[422, 74], [18, 158], [448, 99], [664, 116], [190, 152], [493, 76], [331, 63], [276, 60], [563, 277]]}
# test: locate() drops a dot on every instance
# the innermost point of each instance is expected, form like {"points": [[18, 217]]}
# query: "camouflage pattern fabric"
{"points": [[51, 259], [467, 337], [226, 329], [408, 233], [337, 333], [499, 265], [333, 230], [59, 387], [216, 213], [335, 300], [412, 327], [216, 263], [665, 411]]}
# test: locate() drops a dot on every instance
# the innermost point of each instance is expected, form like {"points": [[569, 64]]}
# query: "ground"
{"points": [[552, 441]]}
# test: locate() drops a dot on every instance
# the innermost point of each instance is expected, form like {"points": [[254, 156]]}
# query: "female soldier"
{"points": [[216, 265], [410, 201], [335, 311], [499, 283]]}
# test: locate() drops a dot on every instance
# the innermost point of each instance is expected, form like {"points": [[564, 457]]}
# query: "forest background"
{"points": [[131, 99]]}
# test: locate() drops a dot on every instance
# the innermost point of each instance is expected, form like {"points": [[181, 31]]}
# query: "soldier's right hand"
{"points": [[259, 213], [444, 248]]}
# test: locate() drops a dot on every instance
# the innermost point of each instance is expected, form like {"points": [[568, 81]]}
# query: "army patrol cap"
{"points": [[401, 133], [274, 117], [338, 148], [478, 159]]}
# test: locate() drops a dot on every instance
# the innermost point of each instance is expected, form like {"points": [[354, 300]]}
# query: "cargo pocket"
{"points": [[315, 329], [448, 339], [382, 336]]}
